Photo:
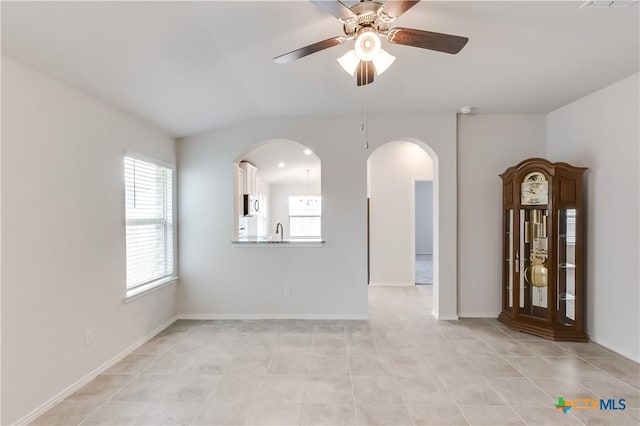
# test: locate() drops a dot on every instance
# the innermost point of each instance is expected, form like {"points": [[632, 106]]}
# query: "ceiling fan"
{"points": [[366, 22]]}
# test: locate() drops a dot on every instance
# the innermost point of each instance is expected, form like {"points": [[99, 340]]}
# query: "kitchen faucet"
{"points": [[279, 225]]}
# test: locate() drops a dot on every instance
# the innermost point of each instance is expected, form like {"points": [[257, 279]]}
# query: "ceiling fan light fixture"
{"points": [[383, 61], [369, 20], [349, 61], [368, 46]]}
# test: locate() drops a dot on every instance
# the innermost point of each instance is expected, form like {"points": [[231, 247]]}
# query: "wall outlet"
{"points": [[88, 337], [288, 291]]}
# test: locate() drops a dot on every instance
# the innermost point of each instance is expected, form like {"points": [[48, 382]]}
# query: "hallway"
{"points": [[424, 269]]}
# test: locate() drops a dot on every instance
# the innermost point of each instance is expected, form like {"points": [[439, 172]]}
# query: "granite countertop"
{"points": [[268, 241]]}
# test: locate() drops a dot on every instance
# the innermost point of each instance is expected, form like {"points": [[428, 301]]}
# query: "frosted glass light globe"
{"points": [[349, 61], [367, 46]]}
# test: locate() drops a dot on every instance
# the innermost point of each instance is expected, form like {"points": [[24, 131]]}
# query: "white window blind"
{"points": [[305, 216], [149, 217]]}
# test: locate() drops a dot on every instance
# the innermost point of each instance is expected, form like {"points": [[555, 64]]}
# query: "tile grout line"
{"points": [[262, 381], [448, 391], [199, 353], [395, 381], [580, 379], [306, 375], [353, 393], [193, 361], [106, 400], [493, 387], [444, 386], [487, 381], [608, 374], [530, 381], [440, 378]]}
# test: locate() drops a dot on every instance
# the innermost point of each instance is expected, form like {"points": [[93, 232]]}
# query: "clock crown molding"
{"points": [[538, 163]]}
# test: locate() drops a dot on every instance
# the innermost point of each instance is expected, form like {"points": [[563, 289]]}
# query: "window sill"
{"points": [[138, 292]]}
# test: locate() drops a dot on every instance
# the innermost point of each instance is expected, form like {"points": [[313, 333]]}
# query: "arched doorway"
{"points": [[391, 222]]}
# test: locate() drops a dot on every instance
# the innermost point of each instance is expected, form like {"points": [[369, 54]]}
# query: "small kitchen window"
{"points": [[305, 216]]}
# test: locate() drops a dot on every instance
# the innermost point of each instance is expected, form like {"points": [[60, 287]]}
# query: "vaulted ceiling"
{"points": [[285, 162], [192, 66]]}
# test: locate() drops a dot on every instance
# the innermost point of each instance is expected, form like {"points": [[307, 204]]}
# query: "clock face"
{"points": [[534, 190]]}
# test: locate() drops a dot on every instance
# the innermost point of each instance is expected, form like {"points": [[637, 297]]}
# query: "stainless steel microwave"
{"points": [[251, 205]]}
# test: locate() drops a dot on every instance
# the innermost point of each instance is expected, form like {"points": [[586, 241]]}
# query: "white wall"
{"points": [[600, 131], [63, 237], [424, 217], [394, 168], [218, 278], [487, 145], [279, 202]]}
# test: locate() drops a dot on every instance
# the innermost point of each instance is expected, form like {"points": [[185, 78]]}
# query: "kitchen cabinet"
{"points": [[249, 175]]}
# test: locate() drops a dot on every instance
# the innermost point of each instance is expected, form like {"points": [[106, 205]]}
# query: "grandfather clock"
{"points": [[543, 247]]}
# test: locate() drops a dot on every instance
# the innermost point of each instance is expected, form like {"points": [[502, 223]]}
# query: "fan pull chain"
{"points": [[366, 117], [364, 113]]}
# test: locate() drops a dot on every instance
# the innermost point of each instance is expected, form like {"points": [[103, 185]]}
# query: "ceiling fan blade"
{"points": [[395, 8], [364, 73], [439, 42], [334, 7], [308, 50]]}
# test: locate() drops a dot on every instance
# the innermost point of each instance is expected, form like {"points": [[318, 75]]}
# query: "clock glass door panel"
{"points": [[509, 258], [566, 296], [533, 263]]}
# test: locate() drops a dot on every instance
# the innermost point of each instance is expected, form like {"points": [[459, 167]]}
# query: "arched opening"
{"points": [[393, 169], [277, 194]]}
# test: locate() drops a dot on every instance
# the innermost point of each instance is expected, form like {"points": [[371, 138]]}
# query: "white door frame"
{"points": [[444, 223]]}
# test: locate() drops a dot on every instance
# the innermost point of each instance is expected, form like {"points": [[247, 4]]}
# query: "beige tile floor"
{"points": [[399, 368]]}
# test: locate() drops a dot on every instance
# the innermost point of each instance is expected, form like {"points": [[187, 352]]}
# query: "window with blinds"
{"points": [[149, 221], [305, 213]]}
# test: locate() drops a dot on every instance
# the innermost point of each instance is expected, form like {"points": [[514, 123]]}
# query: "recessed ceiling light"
{"points": [[465, 110], [307, 151], [280, 165]]}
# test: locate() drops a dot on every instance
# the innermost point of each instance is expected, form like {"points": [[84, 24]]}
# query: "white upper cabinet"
{"points": [[248, 171]]}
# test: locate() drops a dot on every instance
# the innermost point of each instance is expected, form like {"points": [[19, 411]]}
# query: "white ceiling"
{"points": [[296, 163], [193, 66]]}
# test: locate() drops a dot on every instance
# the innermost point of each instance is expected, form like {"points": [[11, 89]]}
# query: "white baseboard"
{"points": [[391, 284], [92, 375], [445, 317], [491, 315], [624, 353], [272, 316]]}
